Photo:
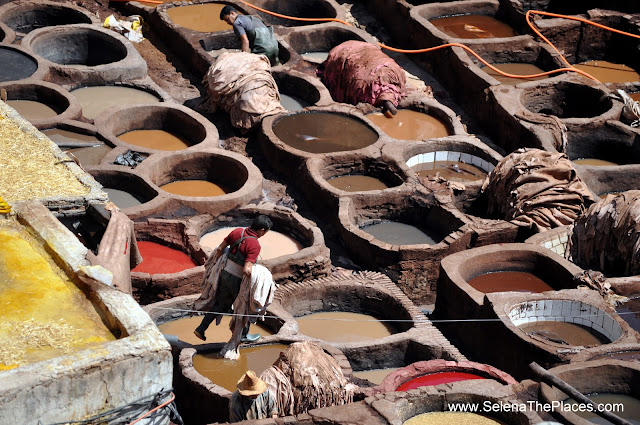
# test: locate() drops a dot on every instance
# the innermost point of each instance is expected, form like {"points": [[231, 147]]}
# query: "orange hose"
{"points": [[173, 397], [293, 18]]}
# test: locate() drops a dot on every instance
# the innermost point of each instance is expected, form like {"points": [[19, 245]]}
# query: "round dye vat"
{"points": [[504, 281], [473, 27], [195, 188], [183, 328], [293, 103], [342, 326], [450, 170], [62, 137], [357, 183], [400, 234], [91, 155], [323, 132], [41, 303], [609, 72], [315, 57], [121, 198], [32, 110], [410, 125], [563, 333], [515, 69], [630, 312], [160, 259], [437, 379], [449, 418], [630, 411], [15, 65], [375, 376], [226, 373], [96, 99], [200, 17], [154, 139], [593, 161], [272, 245]]}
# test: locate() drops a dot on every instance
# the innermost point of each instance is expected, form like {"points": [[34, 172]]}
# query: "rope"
{"points": [[123, 415], [362, 320]]}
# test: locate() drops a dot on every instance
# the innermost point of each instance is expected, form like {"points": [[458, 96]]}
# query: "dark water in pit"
{"points": [[293, 103], [410, 125], [631, 411], [323, 132], [623, 355], [558, 332], [504, 281], [473, 27], [357, 183], [450, 170], [401, 234], [90, 156], [65, 136], [121, 198], [15, 65], [342, 326], [630, 313], [226, 373]]}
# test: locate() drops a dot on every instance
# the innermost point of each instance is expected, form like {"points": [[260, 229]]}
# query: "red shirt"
{"points": [[250, 247]]}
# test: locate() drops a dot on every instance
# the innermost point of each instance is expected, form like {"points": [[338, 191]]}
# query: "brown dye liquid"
{"points": [[375, 376], [96, 99], [593, 161], [64, 136], [400, 234], [183, 328], [194, 188], [293, 103], [516, 69], [608, 72], [90, 156], [341, 326], [473, 26], [570, 333], [226, 373], [509, 281], [635, 96], [623, 355], [451, 418], [410, 125], [450, 170], [323, 132], [200, 17], [121, 198], [154, 139], [604, 195], [630, 412], [32, 110], [357, 183], [272, 245]]}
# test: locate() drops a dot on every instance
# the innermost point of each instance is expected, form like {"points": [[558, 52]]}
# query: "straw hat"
{"points": [[250, 384]]}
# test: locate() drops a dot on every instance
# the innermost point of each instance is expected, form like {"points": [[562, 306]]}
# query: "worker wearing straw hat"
{"points": [[252, 400]]}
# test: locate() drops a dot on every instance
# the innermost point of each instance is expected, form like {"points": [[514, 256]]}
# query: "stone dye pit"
{"points": [[126, 190], [293, 250], [323, 132], [84, 53], [473, 26], [199, 17], [96, 99], [26, 16], [18, 64]]}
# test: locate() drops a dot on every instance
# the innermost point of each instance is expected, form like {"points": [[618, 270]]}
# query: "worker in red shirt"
{"points": [[244, 249]]}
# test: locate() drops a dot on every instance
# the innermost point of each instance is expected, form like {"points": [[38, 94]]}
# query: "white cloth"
{"points": [[256, 294]]}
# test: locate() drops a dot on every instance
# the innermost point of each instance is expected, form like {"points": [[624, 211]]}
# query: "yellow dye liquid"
{"points": [[42, 314]]}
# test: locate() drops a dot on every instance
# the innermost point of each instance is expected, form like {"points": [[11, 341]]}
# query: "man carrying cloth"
{"points": [[253, 34], [223, 276]]}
